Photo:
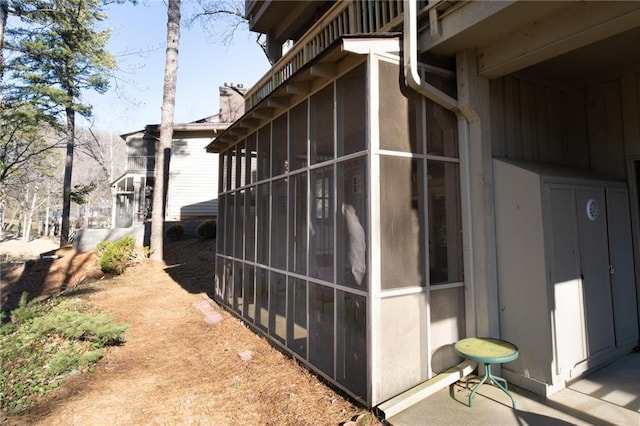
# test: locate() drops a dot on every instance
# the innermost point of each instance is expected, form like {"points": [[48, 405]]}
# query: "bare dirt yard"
{"points": [[177, 366]]}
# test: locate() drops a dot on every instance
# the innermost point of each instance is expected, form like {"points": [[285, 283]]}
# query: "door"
{"points": [[623, 290], [594, 260], [567, 295]]}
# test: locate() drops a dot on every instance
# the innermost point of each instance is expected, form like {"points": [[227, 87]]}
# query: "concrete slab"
{"points": [[609, 398]]}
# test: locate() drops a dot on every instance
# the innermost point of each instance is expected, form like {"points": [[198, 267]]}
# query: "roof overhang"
{"points": [[340, 56], [181, 130], [509, 36], [283, 20]]}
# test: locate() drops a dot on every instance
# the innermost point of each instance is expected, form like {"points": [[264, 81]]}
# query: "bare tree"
{"points": [[166, 129], [222, 18], [101, 156]]}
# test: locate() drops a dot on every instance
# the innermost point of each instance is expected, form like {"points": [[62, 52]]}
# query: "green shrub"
{"points": [[207, 229], [25, 311], [98, 329], [116, 256], [47, 342], [175, 232]]}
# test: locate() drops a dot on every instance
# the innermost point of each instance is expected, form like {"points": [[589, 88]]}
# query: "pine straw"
{"points": [[175, 368], [277, 387]]}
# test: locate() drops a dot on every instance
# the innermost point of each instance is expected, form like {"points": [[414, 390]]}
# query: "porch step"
{"points": [[414, 395]]}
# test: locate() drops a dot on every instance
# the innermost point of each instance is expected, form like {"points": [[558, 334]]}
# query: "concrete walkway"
{"points": [[610, 396]]}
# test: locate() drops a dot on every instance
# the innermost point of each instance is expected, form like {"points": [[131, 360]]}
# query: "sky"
{"points": [[205, 63]]}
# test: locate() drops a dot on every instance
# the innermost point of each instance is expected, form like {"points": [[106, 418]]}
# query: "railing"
{"points": [[345, 17], [141, 163]]}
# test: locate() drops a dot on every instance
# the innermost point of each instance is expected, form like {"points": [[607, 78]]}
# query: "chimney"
{"points": [[231, 102]]}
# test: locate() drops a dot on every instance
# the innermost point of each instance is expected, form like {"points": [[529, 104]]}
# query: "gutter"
{"points": [[466, 114]]}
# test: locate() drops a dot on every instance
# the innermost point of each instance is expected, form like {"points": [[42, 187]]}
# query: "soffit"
{"points": [[591, 64], [284, 20], [568, 38]]}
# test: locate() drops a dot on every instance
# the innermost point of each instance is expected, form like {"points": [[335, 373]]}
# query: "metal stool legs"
{"points": [[498, 381]]}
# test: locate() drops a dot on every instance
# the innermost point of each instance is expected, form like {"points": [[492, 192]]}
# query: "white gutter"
{"points": [[466, 114]]}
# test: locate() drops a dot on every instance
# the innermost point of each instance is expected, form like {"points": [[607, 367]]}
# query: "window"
{"points": [[398, 112], [352, 223], [321, 235], [278, 306], [264, 152], [352, 338], [321, 126], [297, 317], [279, 163], [262, 298], [297, 244], [248, 292], [401, 222], [445, 228], [251, 172], [262, 224], [321, 318], [238, 276], [279, 223], [298, 137], [352, 111]]}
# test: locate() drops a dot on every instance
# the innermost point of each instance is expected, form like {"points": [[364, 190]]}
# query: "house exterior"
{"points": [[412, 173], [192, 176]]}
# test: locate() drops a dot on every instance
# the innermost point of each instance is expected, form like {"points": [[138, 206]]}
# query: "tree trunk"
{"points": [[24, 214], [30, 213], [68, 169], [47, 212], [166, 130], [4, 11]]}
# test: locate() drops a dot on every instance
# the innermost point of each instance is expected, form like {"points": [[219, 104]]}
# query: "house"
{"points": [[193, 174], [412, 173]]}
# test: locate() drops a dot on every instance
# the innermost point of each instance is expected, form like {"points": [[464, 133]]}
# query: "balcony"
{"points": [[141, 163], [345, 17]]}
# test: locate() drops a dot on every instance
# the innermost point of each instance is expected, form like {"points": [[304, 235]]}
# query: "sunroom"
{"points": [[340, 230]]}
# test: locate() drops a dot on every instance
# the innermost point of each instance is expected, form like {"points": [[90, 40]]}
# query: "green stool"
{"points": [[488, 351]]}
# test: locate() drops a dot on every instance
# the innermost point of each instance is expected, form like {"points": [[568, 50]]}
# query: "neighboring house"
{"points": [[390, 190], [192, 189]]}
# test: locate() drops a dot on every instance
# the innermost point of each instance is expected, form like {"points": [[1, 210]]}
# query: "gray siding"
{"points": [[581, 127]]}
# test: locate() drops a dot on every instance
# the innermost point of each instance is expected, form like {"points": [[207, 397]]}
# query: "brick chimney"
{"points": [[231, 102]]}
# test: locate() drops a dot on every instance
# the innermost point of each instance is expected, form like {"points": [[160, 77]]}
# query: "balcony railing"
{"points": [[141, 163], [345, 17]]}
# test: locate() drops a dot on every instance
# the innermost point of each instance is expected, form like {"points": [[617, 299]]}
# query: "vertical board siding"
{"points": [[529, 119], [576, 131], [581, 127], [513, 130], [499, 145], [630, 88], [613, 164], [606, 139], [544, 132]]}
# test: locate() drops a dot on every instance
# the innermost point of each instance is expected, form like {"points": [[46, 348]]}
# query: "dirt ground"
{"points": [[179, 365]]}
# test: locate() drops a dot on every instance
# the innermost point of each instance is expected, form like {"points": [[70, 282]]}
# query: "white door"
{"points": [[623, 290], [567, 306], [594, 260]]}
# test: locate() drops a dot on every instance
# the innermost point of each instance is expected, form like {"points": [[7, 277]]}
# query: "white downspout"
{"points": [[410, 47], [466, 114]]}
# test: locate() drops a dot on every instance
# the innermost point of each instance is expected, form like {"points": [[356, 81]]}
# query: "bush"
{"points": [[47, 342], [116, 256], [175, 232], [207, 229]]}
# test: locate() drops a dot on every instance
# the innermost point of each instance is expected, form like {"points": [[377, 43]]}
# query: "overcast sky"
{"points": [[139, 41]]}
